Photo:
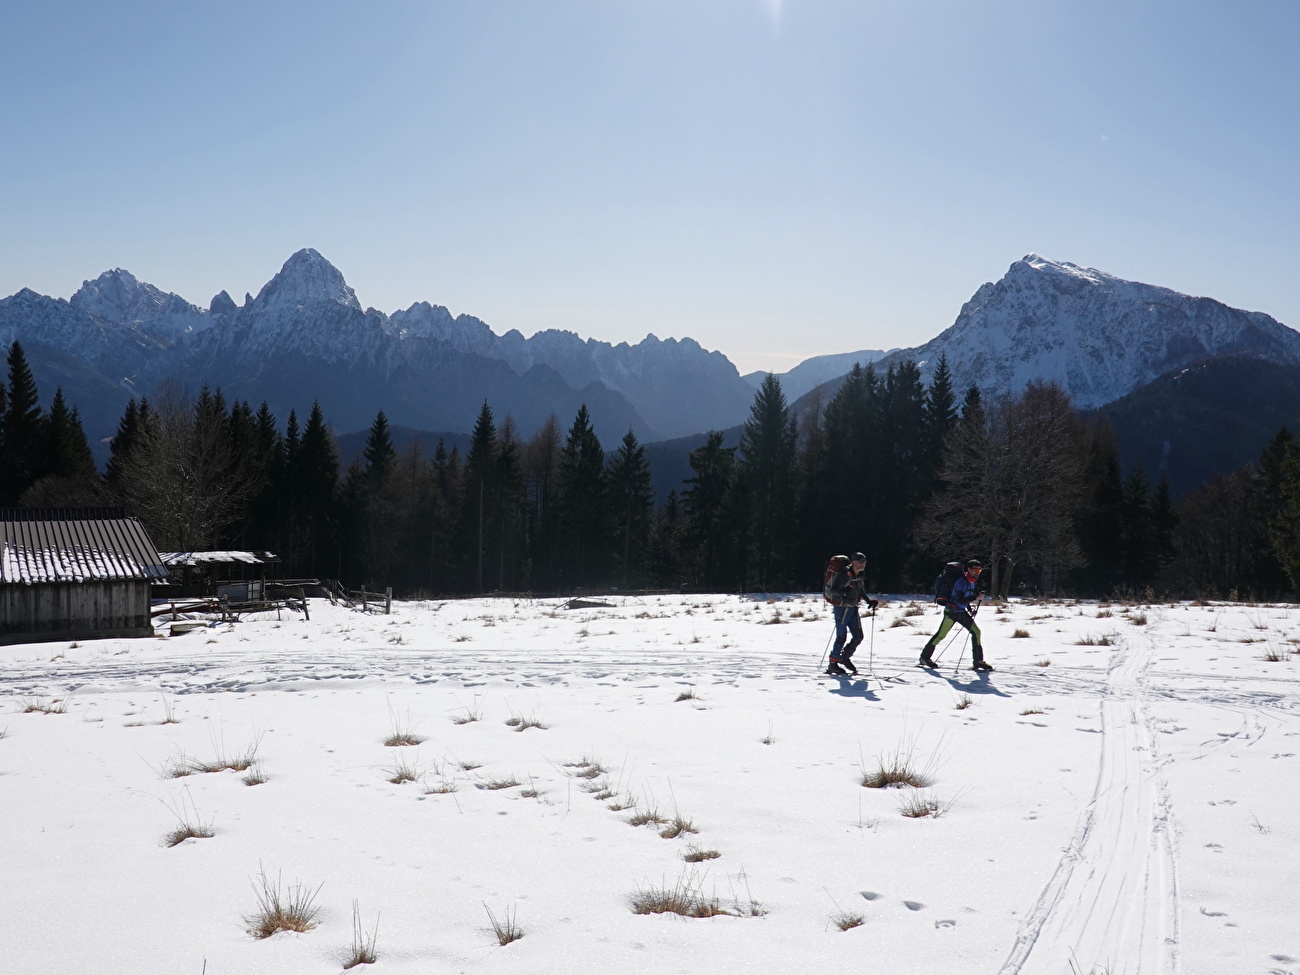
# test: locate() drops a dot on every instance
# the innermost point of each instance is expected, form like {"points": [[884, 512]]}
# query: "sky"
{"points": [[776, 179]]}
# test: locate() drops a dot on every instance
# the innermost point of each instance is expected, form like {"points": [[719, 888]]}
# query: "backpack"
{"points": [[836, 563], [946, 579]]}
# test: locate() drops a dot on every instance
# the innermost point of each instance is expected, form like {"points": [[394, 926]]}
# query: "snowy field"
{"points": [[1119, 796]]}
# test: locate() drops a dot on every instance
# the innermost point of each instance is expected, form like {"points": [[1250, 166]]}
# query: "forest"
{"points": [[912, 475]]}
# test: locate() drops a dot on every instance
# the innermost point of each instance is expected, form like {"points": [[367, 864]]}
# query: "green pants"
{"points": [[951, 615]]}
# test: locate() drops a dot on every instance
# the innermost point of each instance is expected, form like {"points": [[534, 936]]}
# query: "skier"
{"points": [[956, 609], [845, 590]]}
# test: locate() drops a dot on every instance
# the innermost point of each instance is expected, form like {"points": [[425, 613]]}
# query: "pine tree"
{"points": [[477, 506], [26, 455], [316, 475], [631, 504], [379, 453], [583, 505], [709, 533], [766, 478]]}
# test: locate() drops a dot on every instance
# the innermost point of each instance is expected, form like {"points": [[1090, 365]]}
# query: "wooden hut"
{"points": [[74, 574]]}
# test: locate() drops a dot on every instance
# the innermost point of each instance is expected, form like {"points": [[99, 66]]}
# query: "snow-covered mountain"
{"points": [[305, 336], [1099, 336]]}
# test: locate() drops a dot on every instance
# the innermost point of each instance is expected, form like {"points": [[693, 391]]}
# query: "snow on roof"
{"points": [[178, 559], [74, 545]]}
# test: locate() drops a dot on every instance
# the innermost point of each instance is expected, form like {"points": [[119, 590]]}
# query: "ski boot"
{"points": [[835, 670], [977, 660], [926, 659], [846, 662]]}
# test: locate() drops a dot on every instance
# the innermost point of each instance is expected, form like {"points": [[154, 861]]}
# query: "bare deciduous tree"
{"points": [[182, 477], [1011, 484]]}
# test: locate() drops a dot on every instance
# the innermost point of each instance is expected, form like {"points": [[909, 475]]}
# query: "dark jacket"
{"points": [[846, 587], [963, 592]]}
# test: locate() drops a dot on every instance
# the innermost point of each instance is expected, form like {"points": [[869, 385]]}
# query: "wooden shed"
{"points": [[74, 574]]}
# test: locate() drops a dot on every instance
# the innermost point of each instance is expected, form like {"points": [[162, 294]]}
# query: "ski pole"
{"points": [[871, 647], [961, 656], [828, 644]]}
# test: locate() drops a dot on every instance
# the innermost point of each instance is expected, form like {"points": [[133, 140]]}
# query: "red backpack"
{"points": [[836, 563]]}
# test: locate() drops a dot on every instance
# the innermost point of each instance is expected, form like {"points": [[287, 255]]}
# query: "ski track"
{"points": [[1112, 902]]}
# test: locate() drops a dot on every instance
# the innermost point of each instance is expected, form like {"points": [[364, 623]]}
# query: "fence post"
{"points": [[388, 601], [302, 594], [365, 601]]}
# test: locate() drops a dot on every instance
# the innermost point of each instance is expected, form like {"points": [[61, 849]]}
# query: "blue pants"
{"points": [[846, 620]]}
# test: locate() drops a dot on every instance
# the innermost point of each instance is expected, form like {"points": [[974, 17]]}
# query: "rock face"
{"points": [[305, 337], [1099, 336]]}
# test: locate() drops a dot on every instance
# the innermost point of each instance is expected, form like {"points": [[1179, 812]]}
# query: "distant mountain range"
{"points": [[305, 337]]}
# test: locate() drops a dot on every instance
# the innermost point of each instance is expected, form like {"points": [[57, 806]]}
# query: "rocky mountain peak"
{"points": [[306, 278], [117, 296]]}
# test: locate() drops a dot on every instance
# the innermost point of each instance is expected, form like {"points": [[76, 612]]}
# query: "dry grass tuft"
{"points": [[506, 928], [188, 825], [403, 770], [846, 921], [963, 702], [687, 695], [403, 732], [281, 909], [695, 854], [897, 769], [238, 762], [363, 945], [520, 723], [650, 816], [472, 713], [34, 705], [900, 621], [1273, 655], [494, 785], [1028, 711], [1138, 619], [1043, 663], [677, 826], [169, 711], [684, 898], [919, 805], [1019, 634], [914, 609], [255, 776]]}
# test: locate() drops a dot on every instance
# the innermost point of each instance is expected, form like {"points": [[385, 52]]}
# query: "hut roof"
{"points": [[178, 559], [43, 545]]}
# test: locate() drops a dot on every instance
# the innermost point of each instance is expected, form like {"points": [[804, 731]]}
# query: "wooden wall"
{"points": [[74, 611]]}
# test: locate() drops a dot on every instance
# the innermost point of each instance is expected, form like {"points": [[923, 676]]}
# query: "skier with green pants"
{"points": [[956, 609]]}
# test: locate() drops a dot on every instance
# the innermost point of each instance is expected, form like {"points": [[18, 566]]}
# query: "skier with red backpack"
{"points": [[844, 588]]}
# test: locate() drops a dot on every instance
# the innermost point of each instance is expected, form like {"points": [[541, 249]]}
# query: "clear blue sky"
{"points": [[775, 178]]}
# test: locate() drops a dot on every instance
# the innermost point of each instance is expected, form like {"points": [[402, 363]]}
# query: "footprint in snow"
{"points": [[1285, 959], [1091, 731], [1213, 913], [869, 895], [913, 905], [945, 924], [1285, 755]]}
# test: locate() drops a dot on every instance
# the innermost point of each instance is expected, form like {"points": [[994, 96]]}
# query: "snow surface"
{"points": [[1144, 822]]}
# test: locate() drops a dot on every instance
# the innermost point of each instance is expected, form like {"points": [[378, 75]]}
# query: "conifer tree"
{"points": [[631, 505], [476, 519], [26, 454], [765, 475], [709, 532], [316, 463], [379, 453], [583, 505]]}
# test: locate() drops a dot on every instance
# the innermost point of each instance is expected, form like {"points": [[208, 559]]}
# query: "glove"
{"points": [[873, 603]]}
